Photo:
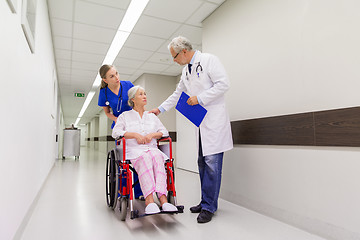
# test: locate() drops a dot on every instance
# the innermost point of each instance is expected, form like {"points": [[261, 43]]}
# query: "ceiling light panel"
{"points": [[154, 67], [63, 63], [144, 42], [62, 42], [87, 57], [98, 15], [61, 9], [201, 13], [125, 70], [194, 34], [154, 27], [90, 47], [135, 54], [93, 33], [180, 10], [85, 66], [62, 28], [84, 73], [63, 54], [122, 4], [128, 62], [163, 58]]}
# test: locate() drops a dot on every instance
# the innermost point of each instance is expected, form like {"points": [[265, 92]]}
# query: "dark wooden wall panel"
{"points": [[340, 127], [294, 129]]}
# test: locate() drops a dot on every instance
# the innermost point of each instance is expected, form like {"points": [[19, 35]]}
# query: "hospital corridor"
{"points": [[258, 98], [72, 205]]}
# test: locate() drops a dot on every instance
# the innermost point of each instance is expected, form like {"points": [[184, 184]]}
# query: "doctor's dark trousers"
{"points": [[210, 168]]}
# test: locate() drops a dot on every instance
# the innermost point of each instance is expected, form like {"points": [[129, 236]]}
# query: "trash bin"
{"points": [[71, 144]]}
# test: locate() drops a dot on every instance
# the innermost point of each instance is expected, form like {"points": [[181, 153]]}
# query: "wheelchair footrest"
{"points": [[136, 215]]}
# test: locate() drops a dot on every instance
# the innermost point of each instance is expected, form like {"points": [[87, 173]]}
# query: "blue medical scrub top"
{"points": [[114, 99]]}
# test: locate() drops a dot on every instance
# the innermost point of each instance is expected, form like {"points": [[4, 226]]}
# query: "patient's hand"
{"points": [[140, 139], [148, 138]]}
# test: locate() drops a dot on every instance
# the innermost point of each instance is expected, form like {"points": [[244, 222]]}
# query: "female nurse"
{"points": [[113, 98]]}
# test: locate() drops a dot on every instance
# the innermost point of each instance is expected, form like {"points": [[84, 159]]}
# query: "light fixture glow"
{"points": [[86, 103], [97, 81], [115, 47], [131, 17], [77, 121]]}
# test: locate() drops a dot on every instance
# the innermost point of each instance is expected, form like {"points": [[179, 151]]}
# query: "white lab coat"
{"points": [[209, 82]]}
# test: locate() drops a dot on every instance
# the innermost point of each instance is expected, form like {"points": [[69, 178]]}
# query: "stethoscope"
{"points": [[107, 103], [196, 70]]}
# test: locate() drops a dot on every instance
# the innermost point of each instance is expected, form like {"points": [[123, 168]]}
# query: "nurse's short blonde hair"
{"points": [[131, 94]]}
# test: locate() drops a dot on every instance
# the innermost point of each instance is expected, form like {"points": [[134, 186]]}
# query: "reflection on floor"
{"points": [[72, 205]]}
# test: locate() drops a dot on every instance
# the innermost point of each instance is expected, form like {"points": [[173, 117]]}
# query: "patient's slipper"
{"points": [[168, 207], [152, 208]]}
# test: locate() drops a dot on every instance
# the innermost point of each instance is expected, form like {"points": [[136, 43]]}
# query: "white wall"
{"points": [[103, 130], [83, 135], [286, 57], [60, 130], [29, 115], [94, 132]]}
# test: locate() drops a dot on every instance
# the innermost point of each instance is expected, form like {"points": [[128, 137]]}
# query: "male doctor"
{"points": [[204, 79]]}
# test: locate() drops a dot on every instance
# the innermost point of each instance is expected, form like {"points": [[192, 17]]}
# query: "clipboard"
{"points": [[194, 113]]}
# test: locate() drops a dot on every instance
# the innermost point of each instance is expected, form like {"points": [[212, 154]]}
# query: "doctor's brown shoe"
{"points": [[204, 216], [196, 209]]}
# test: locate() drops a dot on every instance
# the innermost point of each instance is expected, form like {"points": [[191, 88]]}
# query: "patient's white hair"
{"points": [[179, 43], [131, 94]]}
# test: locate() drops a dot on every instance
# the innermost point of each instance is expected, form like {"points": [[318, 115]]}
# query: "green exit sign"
{"points": [[79, 94]]}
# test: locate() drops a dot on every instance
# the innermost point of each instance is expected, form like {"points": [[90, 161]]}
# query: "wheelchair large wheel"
{"points": [[112, 181], [123, 208]]}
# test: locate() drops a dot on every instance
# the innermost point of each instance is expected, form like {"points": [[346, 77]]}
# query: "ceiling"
{"points": [[82, 32]]}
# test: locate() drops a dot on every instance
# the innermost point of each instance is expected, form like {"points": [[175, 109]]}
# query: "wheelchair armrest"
{"points": [[163, 139], [119, 138]]}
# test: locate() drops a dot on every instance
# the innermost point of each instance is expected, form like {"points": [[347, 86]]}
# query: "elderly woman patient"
{"points": [[141, 130]]}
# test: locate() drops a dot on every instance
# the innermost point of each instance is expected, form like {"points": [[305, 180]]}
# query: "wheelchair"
{"points": [[119, 179]]}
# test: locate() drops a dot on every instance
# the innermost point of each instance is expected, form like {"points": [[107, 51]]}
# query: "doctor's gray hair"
{"points": [[131, 94], [179, 43]]}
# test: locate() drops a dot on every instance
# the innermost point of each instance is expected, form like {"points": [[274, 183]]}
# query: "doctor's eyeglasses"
{"points": [[177, 54]]}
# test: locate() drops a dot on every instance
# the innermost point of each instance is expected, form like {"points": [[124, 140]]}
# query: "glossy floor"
{"points": [[72, 205]]}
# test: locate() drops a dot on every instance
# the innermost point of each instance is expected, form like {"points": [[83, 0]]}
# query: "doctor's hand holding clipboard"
{"points": [[194, 112]]}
